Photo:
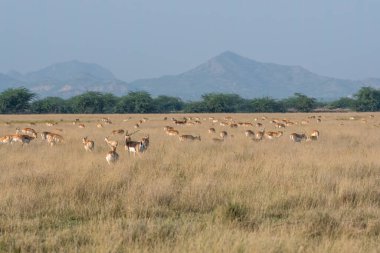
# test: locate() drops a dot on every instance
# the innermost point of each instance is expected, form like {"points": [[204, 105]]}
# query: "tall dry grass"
{"points": [[236, 196]]}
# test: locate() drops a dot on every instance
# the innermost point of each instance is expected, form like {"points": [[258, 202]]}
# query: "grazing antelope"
{"points": [[88, 144], [136, 146], [118, 131], [99, 125], [81, 126], [112, 156], [297, 137], [179, 122], [32, 123], [245, 124], [6, 139], [211, 130], [258, 124], [280, 125], [187, 137], [172, 132], [223, 123], [272, 135], [111, 144], [304, 122], [319, 120], [233, 125], [22, 138], [50, 124], [166, 128], [223, 134], [29, 131], [249, 133], [137, 125]]}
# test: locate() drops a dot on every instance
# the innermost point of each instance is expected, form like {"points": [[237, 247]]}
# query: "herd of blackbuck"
{"points": [[217, 129]]}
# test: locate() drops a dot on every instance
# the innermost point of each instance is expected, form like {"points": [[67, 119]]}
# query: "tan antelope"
{"points": [[50, 124], [112, 156], [272, 135], [118, 131], [172, 132], [28, 131], [233, 125], [211, 130], [249, 133], [110, 143], [258, 124], [99, 125], [179, 122], [245, 124], [259, 135], [136, 125], [297, 137], [223, 134], [22, 138], [304, 122], [218, 140], [188, 137], [81, 126], [6, 139], [88, 144], [313, 136], [166, 128], [280, 125], [53, 139], [136, 146]]}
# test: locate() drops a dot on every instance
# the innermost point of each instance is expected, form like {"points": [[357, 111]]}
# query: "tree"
{"points": [[195, 107], [93, 102], [265, 104], [15, 100], [343, 103], [367, 99], [300, 102], [50, 105], [168, 104], [218, 102], [136, 102]]}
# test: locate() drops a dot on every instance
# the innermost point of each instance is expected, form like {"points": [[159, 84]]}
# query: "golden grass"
{"points": [[236, 196]]}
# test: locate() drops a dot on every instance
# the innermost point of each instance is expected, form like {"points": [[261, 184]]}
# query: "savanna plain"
{"points": [[238, 195]]}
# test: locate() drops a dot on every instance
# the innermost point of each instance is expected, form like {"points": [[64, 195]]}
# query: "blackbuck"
{"points": [[28, 131], [112, 156], [272, 135], [297, 137], [22, 138], [136, 147], [211, 130], [118, 131], [313, 136], [223, 134], [249, 133], [166, 128], [188, 137], [172, 132], [259, 135], [88, 144], [179, 122], [51, 138], [111, 143]]}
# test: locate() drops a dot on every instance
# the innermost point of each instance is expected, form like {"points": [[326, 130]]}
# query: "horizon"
{"points": [[143, 39]]}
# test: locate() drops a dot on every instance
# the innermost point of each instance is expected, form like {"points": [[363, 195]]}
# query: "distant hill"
{"points": [[68, 79], [226, 73], [231, 73]]}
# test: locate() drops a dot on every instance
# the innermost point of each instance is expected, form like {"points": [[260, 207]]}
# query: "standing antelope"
{"points": [[172, 132], [111, 144], [272, 135], [99, 125], [259, 135], [53, 139], [211, 130], [297, 137], [22, 138], [112, 156], [88, 144], [187, 137], [136, 146], [313, 136], [223, 134]]}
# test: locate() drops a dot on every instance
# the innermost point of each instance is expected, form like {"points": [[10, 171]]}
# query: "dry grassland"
{"points": [[236, 196]]}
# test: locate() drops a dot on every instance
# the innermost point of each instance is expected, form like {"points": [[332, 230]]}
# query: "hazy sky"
{"points": [[141, 38]]}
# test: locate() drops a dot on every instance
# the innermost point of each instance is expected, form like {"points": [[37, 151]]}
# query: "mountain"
{"points": [[225, 73], [67, 79], [231, 73]]}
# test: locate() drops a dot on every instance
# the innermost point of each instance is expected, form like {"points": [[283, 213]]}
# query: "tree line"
{"points": [[22, 100]]}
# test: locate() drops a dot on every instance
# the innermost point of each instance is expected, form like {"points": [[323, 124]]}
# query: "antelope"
{"points": [[137, 125], [319, 120], [304, 122], [53, 139], [23, 138], [297, 137], [272, 135], [245, 124], [136, 146], [166, 128], [249, 133], [222, 123], [233, 125], [172, 132], [81, 126], [187, 137], [258, 124], [223, 134], [219, 140], [259, 135], [99, 125], [118, 131], [6, 139], [179, 122], [50, 124], [314, 135], [111, 144], [29, 131], [211, 130], [280, 125], [112, 156], [88, 144]]}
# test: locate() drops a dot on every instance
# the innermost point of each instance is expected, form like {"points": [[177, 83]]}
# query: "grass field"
{"points": [[236, 196]]}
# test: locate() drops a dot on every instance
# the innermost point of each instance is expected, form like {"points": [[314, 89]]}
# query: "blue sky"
{"points": [[142, 39]]}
